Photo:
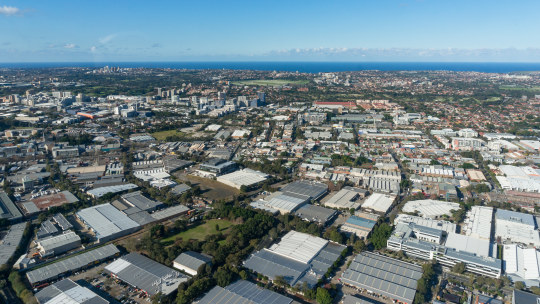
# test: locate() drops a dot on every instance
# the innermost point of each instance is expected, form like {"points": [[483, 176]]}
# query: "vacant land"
{"points": [[201, 231], [270, 82], [162, 135], [210, 188]]}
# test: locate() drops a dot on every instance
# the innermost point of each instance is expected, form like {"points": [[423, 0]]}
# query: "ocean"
{"points": [[302, 67]]}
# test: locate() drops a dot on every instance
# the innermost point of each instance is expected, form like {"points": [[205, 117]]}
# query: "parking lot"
{"points": [[117, 289]]}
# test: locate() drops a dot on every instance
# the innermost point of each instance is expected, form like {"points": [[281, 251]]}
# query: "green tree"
{"points": [[459, 268], [519, 285], [323, 296], [380, 235]]}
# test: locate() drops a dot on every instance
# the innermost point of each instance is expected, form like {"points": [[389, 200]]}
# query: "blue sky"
{"points": [[252, 30]]}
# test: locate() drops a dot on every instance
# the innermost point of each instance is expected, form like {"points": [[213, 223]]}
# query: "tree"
{"points": [[519, 285], [323, 296], [459, 268], [380, 235], [280, 281], [535, 290]]}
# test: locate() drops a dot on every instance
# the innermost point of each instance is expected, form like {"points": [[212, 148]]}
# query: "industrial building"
{"points": [[11, 241], [359, 226], [139, 201], [522, 264], [190, 261], [146, 274], [516, 227], [346, 198], [429, 208], [291, 197], [245, 177], [243, 292], [299, 257], [383, 275], [8, 210], [523, 297], [61, 243], [107, 222], [101, 191], [379, 202], [479, 222], [68, 292], [72, 264], [313, 213]]}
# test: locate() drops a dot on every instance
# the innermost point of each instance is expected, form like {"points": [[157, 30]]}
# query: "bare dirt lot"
{"points": [[210, 188]]}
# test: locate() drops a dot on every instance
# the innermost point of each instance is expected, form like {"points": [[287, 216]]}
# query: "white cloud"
{"points": [[70, 46], [9, 10], [107, 39], [93, 49]]}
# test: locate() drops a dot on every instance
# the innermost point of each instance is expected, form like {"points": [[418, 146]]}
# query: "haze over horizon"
{"points": [[363, 31]]}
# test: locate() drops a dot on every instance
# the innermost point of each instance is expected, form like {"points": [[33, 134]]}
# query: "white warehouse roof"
{"points": [[379, 202], [106, 220], [521, 262], [244, 177], [299, 246], [430, 208]]}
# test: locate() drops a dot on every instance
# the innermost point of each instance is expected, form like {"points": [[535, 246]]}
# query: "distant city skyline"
{"points": [[106, 31]]}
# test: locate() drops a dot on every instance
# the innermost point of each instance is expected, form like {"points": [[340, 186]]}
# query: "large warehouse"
{"points": [[74, 263], [244, 177], [291, 197], [379, 202], [516, 227], [299, 257], [107, 222], [146, 274], [385, 276], [430, 208], [243, 292], [346, 198], [522, 264], [190, 261], [68, 292], [61, 243]]}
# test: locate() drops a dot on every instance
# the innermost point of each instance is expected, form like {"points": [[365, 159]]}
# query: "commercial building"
{"points": [[379, 202], [305, 189], [445, 226], [430, 208], [61, 243], [72, 264], [190, 261], [107, 222], [428, 243], [68, 292], [146, 274], [516, 227], [244, 177], [298, 257], [243, 292], [8, 210], [217, 166], [383, 275]]}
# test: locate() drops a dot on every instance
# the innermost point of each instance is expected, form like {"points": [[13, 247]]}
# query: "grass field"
{"points": [[162, 135], [210, 188], [515, 88], [201, 231], [270, 82]]}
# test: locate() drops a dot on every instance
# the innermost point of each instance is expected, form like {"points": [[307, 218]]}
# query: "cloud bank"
{"points": [[9, 10]]}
